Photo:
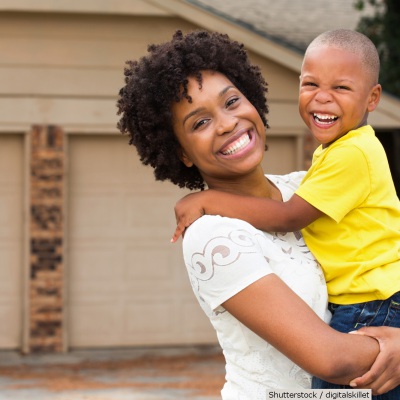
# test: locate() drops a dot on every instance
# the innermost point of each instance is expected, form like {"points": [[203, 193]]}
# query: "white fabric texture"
{"points": [[225, 255]]}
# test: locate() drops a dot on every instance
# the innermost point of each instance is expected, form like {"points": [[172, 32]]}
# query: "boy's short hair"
{"points": [[156, 80], [354, 42]]}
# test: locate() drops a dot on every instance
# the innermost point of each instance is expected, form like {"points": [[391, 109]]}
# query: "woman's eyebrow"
{"points": [[223, 91], [197, 110], [194, 112]]}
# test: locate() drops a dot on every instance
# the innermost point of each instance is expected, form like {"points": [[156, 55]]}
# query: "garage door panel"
{"points": [[10, 295], [10, 257], [128, 284], [96, 210], [150, 317], [115, 215], [105, 164], [108, 323], [9, 327], [147, 263], [10, 158], [189, 325], [94, 263], [96, 319], [281, 156], [9, 198], [11, 243], [150, 212]]}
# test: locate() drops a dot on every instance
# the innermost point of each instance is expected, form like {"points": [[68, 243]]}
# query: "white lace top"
{"points": [[225, 255]]}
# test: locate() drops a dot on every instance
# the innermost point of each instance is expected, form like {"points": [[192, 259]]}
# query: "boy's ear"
{"points": [[184, 158], [374, 97]]}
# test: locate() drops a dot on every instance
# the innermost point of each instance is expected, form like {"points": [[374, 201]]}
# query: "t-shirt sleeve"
{"points": [[223, 256], [339, 184]]}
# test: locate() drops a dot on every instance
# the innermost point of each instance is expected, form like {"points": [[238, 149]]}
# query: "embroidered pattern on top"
{"points": [[219, 252]]}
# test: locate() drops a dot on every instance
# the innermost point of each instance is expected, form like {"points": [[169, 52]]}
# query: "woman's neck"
{"points": [[256, 185]]}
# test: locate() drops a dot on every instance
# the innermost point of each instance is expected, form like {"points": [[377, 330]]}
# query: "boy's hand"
{"points": [[384, 374], [187, 210]]}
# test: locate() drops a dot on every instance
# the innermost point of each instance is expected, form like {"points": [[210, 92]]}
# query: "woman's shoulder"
{"points": [[213, 228], [288, 183], [293, 179], [218, 224]]}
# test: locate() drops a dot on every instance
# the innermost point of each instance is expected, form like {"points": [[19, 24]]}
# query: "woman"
{"points": [[195, 110]]}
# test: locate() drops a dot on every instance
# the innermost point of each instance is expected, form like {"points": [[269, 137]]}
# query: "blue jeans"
{"points": [[346, 318]]}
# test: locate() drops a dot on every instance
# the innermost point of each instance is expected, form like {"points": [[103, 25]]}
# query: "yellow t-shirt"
{"points": [[357, 241]]}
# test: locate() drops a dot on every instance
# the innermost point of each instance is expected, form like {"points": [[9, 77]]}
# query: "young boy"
{"points": [[346, 206]]}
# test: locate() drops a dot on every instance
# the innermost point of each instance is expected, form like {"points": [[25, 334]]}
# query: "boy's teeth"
{"points": [[238, 145], [325, 118]]}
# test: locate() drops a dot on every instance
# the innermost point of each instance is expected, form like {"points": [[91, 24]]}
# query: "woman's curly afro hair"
{"points": [[154, 81]]}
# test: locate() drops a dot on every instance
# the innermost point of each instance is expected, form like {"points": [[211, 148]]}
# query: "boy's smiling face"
{"points": [[220, 131], [336, 93]]}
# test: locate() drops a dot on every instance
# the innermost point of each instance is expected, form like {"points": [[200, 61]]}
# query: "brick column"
{"points": [[46, 240]]}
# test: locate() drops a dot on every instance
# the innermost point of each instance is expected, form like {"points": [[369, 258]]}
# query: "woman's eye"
{"points": [[200, 123], [231, 101]]}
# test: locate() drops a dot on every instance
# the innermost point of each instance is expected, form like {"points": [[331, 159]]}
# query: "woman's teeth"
{"points": [[325, 119], [238, 145]]}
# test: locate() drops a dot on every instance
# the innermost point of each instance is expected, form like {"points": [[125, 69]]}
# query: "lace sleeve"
{"points": [[223, 256]]}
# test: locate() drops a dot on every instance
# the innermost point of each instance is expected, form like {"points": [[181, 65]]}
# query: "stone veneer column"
{"points": [[46, 240]]}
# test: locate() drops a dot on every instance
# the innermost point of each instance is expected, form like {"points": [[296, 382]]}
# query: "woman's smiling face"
{"points": [[220, 131]]}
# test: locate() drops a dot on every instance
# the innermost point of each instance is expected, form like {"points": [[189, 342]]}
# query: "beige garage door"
{"points": [[11, 247], [127, 284], [282, 155]]}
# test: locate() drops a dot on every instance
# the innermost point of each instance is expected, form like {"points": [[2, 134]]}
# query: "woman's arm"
{"points": [[221, 254], [273, 311]]}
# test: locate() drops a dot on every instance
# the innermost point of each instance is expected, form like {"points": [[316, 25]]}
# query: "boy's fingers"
{"points": [[366, 380], [373, 373], [374, 379], [384, 373], [378, 387], [180, 228]]}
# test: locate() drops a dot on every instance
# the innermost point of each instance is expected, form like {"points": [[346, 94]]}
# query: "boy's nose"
{"points": [[323, 96]]}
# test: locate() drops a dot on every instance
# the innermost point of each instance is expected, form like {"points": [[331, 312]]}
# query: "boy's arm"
{"points": [[263, 213], [384, 374]]}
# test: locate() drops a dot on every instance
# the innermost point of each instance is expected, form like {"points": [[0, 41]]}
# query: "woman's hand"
{"points": [[384, 374]]}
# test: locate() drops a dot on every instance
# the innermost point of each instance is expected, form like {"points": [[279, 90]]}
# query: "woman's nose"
{"points": [[226, 123]]}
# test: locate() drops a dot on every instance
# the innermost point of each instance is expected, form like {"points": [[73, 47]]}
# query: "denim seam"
{"points": [[371, 320]]}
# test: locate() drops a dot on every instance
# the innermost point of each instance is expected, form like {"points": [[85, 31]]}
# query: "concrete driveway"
{"points": [[125, 374]]}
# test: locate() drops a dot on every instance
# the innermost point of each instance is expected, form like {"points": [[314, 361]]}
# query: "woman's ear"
{"points": [[185, 158]]}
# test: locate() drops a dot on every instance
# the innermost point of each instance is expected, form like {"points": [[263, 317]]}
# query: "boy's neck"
{"points": [[326, 145]]}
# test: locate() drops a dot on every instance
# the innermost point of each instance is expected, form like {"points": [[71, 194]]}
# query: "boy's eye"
{"points": [[307, 85], [343, 88]]}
